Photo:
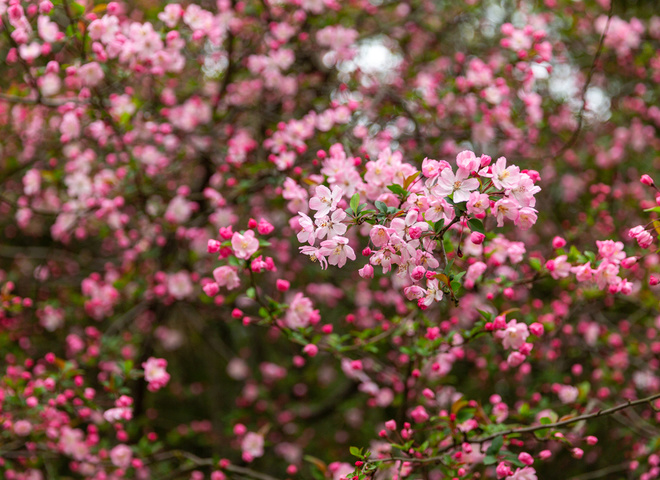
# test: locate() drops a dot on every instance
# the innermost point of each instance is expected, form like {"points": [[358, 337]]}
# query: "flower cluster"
{"points": [[413, 212]]}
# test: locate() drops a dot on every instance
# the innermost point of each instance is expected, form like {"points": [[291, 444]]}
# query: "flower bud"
{"points": [[646, 180], [367, 271], [311, 349], [477, 238], [418, 273], [282, 285], [558, 242]]}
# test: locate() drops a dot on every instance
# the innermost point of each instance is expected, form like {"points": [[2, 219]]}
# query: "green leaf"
{"points": [[251, 292], [490, 459], [535, 263], [78, 10], [355, 202], [476, 225], [381, 206], [653, 209], [495, 446], [397, 189], [356, 452], [573, 254]]}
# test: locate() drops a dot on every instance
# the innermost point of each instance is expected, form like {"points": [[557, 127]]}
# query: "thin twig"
{"points": [[532, 429], [576, 133]]}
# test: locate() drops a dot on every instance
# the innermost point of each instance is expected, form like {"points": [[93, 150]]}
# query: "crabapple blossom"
{"points": [[155, 373], [457, 184], [244, 245], [337, 251]]}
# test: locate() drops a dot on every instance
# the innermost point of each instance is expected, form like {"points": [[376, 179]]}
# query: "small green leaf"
{"points": [[78, 10], [653, 209], [355, 202], [573, 254], [535, 263], [495, 446], [381, 206], [490, 459], [356, 452], [397, 189], [476, 225]]}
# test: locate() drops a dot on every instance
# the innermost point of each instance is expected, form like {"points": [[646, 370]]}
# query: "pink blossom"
{"points": [[155, 373], [514, 335], [337, 250], [478, 203], [505, 208], [419, 414], [244, 245], [503, 177], [22, 428], [467, 160], [308, 232], [526, 473], [325, 201], [559, 267], [568, 393], [252, 446], [301, 312], [457, 184], [226, 276], [121, 456]]}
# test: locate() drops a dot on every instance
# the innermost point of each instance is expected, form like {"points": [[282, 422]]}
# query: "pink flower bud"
{"points": [[366, 252], [526, 458], [282, 285], [239, 429], [591, 440], [415, 232], [311, 349], [536, 328], [577, 452], [428, 393], [390, 425], [545, 454], [367, 271], [515, 359], [264, 227], [213, 246], [629, 262], [477, 238], [558, 242], [419, 414], [500, 322], [646, 180], [653, 281], [418, 273], [503, 470], [211, 289]]}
